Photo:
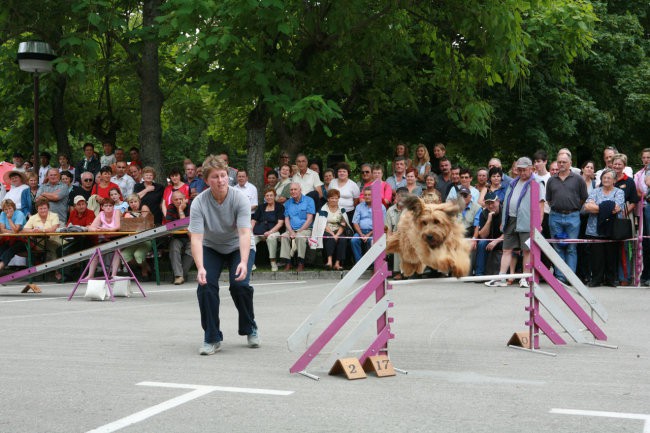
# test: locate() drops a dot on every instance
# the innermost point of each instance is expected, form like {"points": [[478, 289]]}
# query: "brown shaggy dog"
{"points": [[430, 235]]}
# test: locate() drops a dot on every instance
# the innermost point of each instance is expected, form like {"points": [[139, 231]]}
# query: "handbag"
{"points": [[347, 230], [621, 229]]}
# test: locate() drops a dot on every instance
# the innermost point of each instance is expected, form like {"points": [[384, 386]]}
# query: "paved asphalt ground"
{"points": [[132, 365]]}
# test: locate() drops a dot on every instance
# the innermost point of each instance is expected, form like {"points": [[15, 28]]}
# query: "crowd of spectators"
{"points": [[329, 210], [305, 207], [95, 195]]}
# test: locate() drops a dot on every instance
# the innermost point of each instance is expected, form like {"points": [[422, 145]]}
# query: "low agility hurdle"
{"points": [[377, 285], [537, 298]]}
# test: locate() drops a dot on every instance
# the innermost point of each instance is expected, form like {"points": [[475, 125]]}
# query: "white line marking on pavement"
{"points": [[198, 391], [623, 415], [189, 289], [32, 299]]}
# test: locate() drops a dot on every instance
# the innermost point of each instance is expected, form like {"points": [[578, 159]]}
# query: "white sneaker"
{"points": [[253, 339], [210, 348], [274, 267], [496, 283], [523, 283]]}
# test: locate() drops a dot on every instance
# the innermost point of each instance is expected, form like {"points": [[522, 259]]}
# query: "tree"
{"points": [[602, 100]]}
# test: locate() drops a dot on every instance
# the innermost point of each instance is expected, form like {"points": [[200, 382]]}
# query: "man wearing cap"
{"points": [[45, 167], [515, 219], [18, 181], [19, 162], [566, 192], [81, 216], [469, 212], [487, 227]]}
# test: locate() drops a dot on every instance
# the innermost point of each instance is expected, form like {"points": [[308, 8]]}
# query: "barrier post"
{"points": [[378, 225], [535, 257], [638, 257]]}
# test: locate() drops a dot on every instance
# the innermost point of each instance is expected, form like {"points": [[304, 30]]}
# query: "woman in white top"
{"points": [[18, 182], [329, 229], [347, 188], [422, 163]]}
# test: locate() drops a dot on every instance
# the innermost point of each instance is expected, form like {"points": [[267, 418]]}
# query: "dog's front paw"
{"points": [[408, 269], [460, 269]]}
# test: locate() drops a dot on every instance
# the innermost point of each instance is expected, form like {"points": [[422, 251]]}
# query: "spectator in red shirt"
{"points": [[104, 185], [81, 215], [386, 190]]}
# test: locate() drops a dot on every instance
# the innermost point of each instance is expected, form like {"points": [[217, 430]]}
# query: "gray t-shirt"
{"points": [[219, 222]]}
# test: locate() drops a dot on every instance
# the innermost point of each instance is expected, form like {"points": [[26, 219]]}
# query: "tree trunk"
{"points": [[292, 140], [59, 124], [256, 143], [151, 97]]}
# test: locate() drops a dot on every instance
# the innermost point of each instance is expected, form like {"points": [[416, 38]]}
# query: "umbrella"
{"points": [[5, 167]]}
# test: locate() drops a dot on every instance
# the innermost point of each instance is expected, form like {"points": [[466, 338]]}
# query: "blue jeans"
{"points": [[481, 257], [569, 224], [628, 256], [357, 247], [240, 291]]}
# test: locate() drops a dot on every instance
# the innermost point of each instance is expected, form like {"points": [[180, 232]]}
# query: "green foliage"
{"points": [[487, 77], [598, 100]]}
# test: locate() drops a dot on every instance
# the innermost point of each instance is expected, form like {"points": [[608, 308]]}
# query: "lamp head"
{"points": [[35, 56]]}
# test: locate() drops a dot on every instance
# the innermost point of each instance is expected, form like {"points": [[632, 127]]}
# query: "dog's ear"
{"points": [[412, 203], [460, 203], [452, 208]]}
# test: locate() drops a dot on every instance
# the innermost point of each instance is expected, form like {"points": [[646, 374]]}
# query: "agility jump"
{"points": [[379, 285]]}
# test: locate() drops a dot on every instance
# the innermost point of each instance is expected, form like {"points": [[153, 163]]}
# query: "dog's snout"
{"points": [[429, 238]]}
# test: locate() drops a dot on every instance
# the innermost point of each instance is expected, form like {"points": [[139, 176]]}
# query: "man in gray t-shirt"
{"points": [[56, 193], [220, 234], [219, 222]]}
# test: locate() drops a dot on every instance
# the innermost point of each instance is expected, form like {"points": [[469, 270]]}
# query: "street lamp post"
{"points": [[35, 57]]}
